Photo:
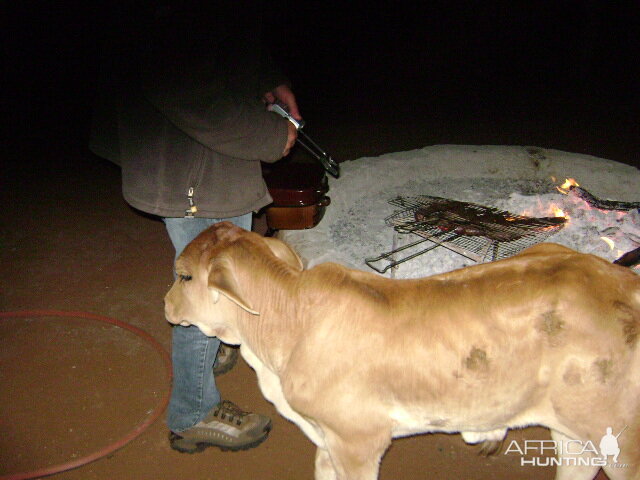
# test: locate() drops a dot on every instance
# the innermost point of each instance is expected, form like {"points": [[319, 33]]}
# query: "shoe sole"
{"points": [[183, 445]]}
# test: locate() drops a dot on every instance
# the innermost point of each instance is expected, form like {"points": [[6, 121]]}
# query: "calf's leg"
{"points": [[324, 466], [564, 471], [356, 457]]}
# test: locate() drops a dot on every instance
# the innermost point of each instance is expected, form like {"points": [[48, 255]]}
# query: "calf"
{"points": [[548, 337]]}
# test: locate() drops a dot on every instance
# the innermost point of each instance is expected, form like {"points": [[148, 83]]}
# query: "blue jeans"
{"points": [[194, 391]]}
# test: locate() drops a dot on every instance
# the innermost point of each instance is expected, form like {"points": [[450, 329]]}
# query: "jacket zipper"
{"points": [[193, 209]]}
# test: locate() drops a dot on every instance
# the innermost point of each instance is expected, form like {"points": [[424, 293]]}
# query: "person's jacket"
{"points": [[192, 128]]}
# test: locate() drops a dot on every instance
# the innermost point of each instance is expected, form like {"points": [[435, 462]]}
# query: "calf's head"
{"points": [[207, 291]]}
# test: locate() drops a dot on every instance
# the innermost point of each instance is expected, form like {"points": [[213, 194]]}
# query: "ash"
{"points": [[363, 233], [605, 233], [520, 180]]}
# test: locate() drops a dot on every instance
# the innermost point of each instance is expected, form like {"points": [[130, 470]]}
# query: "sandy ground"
{"points": [[69, 242]]}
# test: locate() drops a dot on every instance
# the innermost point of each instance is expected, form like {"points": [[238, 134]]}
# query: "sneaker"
{"points": [[226, 427], [226, 359]]}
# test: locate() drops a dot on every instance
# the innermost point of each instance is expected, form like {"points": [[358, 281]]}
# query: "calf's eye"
{"points": [[184, 278]]}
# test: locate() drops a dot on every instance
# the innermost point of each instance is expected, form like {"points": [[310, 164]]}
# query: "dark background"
{"points": [[443, 72], [469, 55]]}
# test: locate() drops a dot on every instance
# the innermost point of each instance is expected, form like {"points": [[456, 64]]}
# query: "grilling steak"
{"points": [[473, 220]]}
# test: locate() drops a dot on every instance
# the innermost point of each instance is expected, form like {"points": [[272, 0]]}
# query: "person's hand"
{"points": [[292, 134], [284, 94]]}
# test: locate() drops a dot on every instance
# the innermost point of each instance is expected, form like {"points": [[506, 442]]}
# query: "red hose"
{"points": [[133, 433]]}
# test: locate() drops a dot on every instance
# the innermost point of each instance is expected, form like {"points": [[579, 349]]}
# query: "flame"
{"points": [[558, 212], [566, 186], [609, 242]]}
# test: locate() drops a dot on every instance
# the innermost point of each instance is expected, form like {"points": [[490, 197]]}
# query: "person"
{"points": [[609, 445], [192, 129]]}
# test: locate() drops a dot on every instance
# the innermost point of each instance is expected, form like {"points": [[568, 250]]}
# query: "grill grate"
{"points": [[478, 232]]}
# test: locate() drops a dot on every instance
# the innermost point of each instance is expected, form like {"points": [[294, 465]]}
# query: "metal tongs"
{"points": [[329, 164]]}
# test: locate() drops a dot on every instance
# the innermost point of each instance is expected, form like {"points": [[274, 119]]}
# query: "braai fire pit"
{"points": [[477, 232], [387, 203]]}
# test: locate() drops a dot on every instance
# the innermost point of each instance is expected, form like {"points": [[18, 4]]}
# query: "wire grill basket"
{"points": [[478, 232]]}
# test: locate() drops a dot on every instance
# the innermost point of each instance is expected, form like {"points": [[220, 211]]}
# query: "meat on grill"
{"points": [[466, 219]]}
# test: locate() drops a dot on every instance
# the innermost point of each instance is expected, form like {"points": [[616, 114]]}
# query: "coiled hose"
{"points": [[164, 401]]}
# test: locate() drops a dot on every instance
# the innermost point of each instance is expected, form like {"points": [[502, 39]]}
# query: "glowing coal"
{"points": [[606, 233]]}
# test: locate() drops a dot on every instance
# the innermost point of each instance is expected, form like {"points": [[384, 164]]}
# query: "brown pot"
{"points": [[298, 191]]}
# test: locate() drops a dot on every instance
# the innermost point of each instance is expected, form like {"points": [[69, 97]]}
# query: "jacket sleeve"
{"points": [[223, 121]]}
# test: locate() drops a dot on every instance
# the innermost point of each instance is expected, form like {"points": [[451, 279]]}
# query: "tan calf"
{"points": [[548, 337]]}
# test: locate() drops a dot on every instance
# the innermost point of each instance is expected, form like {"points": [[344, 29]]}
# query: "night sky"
{"points": [[393, 61], [461, 53]]}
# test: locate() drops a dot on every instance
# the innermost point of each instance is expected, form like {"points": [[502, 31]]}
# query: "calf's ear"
{"points": [[223, 280], [284, 252]]}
